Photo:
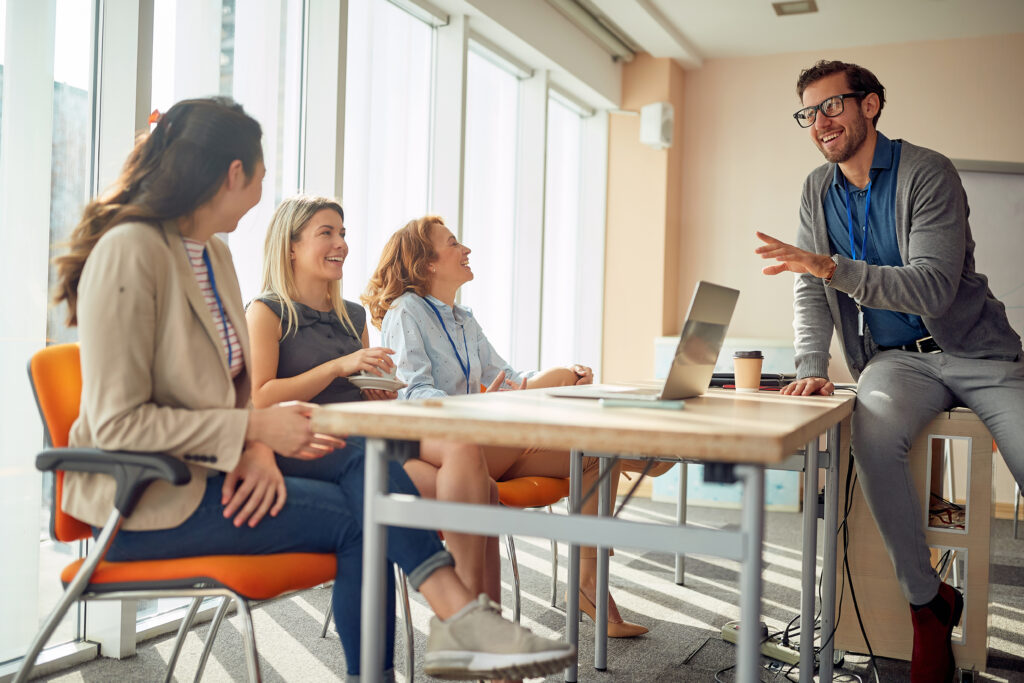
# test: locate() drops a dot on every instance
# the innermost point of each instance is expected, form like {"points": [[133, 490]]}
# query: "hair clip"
{"points": [[155, 117]]}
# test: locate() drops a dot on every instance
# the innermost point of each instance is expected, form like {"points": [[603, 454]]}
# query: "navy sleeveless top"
{"points": [[320, 337]]}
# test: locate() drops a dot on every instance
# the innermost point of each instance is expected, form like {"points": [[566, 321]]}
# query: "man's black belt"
{"points": [[922, 345]]}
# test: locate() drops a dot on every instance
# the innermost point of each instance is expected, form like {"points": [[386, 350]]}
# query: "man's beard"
{"points": [[855, 136]]}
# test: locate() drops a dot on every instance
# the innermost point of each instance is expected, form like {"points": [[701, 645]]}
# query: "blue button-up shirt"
{"points": [[888, 328], [425, 357]]}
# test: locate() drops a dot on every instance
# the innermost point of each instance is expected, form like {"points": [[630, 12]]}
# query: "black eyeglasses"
{"points": [[833, 106]]}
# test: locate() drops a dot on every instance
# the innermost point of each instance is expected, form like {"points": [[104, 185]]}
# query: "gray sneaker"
{"points": [[478, 643]]}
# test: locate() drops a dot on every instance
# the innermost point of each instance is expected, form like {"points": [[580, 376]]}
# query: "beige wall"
{"points": [[744, 158], [644, 214]]}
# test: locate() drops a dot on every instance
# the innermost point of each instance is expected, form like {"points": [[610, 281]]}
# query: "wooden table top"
{"points": [[721, 425]]}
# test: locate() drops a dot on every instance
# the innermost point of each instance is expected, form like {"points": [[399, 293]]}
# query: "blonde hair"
{"points": [[402, 268], [278, 281]]}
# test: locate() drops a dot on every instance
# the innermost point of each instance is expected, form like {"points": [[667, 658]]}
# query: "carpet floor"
{"points": [[684, 642]]}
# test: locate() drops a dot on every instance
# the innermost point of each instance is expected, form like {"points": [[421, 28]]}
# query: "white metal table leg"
{"points": [[371, 652], [748, 655]]}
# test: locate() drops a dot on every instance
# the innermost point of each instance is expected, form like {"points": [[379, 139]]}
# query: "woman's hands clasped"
{"points": [[285, 429], [584, 375]]}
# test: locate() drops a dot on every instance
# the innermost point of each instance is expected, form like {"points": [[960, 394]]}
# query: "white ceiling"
{"points": [[691, 31]]}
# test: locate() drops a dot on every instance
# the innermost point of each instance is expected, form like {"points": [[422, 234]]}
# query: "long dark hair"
{"points": [[169, 174]]}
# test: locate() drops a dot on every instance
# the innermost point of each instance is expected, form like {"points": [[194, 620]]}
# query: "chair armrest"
{"points": [[132, 472]]}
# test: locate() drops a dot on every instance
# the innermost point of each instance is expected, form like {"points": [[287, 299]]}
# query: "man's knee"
{"points": [[879, 426]]}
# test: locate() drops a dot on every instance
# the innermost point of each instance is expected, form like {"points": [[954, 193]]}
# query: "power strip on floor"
{"points": [[772, 647]]}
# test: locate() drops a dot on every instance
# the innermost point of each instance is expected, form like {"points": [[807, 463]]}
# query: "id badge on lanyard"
{"points": [[853, 246]]}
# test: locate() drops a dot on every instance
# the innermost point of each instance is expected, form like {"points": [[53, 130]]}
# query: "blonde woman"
{"points": [[441, 350], [306, 342]]}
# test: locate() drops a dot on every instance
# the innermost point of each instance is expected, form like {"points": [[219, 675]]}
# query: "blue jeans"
{"points": [[323, 513]]}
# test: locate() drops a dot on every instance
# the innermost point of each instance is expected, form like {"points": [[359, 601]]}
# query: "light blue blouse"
{"points": [[424, 356]]}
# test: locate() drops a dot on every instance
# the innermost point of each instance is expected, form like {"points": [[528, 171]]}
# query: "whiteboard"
{"points": [[997, 225]]}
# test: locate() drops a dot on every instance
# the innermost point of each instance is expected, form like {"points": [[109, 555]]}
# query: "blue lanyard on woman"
{"points": [[220, 306], [463, 365], [849, 220]]}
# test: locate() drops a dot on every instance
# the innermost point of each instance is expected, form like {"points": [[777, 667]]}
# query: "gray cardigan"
{"points": [[936, 281]]}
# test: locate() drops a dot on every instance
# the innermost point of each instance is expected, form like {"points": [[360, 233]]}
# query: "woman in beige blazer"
{"points": [[165, 368]]}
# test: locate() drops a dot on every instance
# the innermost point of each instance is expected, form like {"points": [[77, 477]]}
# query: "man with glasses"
{"points": [[884, 255]]}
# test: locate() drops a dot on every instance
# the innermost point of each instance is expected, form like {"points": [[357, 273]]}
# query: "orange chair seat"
{"points": [[531, 492], [255, 577]]}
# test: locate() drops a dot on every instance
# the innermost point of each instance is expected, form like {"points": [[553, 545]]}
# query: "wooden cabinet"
{"points": [[959, 440]]}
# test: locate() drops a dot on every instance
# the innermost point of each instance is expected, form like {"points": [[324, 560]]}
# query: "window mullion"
{"points": [[447, 163], [324, 92], [529, 221], [590, 243], [25, 176]]}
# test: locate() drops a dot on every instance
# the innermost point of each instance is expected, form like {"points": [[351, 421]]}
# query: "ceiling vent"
{"points": [[785, 9]]}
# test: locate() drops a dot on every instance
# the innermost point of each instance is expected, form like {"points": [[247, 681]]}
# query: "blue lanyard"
{"points": [[220, 306], [465, 345], [849, 219]]}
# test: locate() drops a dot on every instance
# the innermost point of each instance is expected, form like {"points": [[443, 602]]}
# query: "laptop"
{"points": [[707, 322]]}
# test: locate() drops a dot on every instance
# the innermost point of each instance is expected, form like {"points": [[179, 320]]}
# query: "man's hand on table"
{"points": [[809, 386]]}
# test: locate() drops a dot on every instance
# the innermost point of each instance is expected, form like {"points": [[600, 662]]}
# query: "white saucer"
{"points": [[374, 382]]}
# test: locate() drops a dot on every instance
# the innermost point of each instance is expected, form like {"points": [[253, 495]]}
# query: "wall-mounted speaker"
{"points": [[656, 125]]}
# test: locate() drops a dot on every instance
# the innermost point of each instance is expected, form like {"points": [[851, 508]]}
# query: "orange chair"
{"points": [[56, 378], [532, 492]]}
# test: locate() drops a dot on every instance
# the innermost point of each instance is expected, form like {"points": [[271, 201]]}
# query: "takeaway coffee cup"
{"points": [[747, 368]]}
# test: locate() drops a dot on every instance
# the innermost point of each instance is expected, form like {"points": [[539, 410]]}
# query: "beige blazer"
{"points": [[155, 374]]}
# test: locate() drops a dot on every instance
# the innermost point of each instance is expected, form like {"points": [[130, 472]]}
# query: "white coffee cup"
{"points": [[384, 374]]}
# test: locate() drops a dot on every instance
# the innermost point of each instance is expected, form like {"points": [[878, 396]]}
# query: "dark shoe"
{"points": [[932, 660]]}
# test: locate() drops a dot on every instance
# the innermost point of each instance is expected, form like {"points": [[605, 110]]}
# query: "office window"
{"points": [[72, 132], [492, 103], [387, 131], [70, 173], [252, 52], [261, 68], [3, 44], [563, 294], [188, 40]]}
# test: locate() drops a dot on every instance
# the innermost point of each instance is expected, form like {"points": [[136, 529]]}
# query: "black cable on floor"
{"points": [[849, 576]]}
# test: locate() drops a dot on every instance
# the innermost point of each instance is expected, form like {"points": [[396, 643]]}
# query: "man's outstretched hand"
{"points": [[793, 259]]}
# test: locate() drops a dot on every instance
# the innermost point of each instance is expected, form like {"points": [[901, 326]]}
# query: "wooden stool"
{"points": [[883, 607]]}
